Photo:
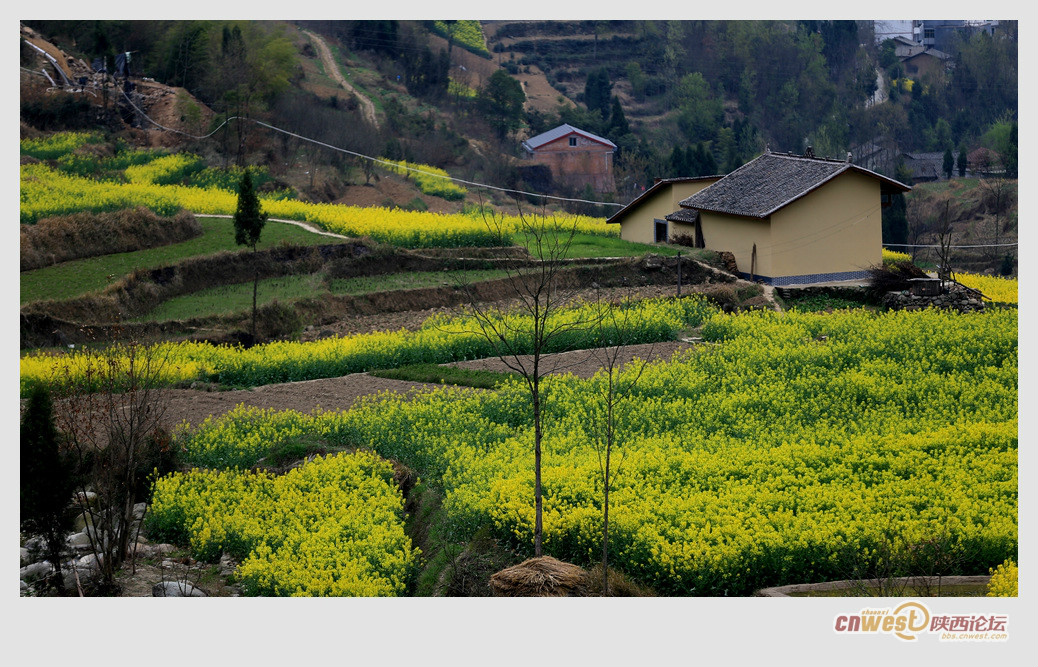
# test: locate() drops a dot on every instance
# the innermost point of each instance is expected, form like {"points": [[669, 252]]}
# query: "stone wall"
{"points": [[954, 297]]}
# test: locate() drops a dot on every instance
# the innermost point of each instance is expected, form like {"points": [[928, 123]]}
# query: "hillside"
{"points": [[731, 86], [160, 115]]}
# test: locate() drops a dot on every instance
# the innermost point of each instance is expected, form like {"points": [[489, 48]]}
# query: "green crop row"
{"points": [[441, 339]]}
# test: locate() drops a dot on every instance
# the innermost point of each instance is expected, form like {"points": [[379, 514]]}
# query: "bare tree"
{"points": [[614, 329], [112, 416], [942, 234], [522, 343], [997, 193]]}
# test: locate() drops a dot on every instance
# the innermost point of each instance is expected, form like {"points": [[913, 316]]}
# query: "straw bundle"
{"points": [[540, 577]]}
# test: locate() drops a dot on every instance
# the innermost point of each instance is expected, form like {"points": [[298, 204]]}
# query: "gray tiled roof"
{"points": [[686, 215], [559, 132], [764, 185]]}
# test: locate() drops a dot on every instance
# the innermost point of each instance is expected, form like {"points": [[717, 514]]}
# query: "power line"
{"points": [[365, 157], [911, 245]]}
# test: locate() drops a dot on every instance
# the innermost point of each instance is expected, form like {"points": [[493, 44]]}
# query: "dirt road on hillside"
{"points": [[332, 69]]}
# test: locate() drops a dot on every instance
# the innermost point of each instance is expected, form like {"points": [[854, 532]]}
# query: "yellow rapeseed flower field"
{"points": [[788, 452], [332, 527]]}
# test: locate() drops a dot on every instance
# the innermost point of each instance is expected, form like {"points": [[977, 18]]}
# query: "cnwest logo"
{"points": [[905, 622]]}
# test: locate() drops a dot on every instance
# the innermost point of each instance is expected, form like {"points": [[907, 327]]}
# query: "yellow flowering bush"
{"points": [[1003, 583], [331, 527], [165, 170]]}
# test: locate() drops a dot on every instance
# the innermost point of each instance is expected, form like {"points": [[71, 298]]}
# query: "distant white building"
{"points": [[893, 29]]}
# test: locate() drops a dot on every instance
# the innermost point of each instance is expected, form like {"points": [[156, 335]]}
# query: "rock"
{"points": [[652, 262], [79, 541], [86, 497], [23, 557], [138, 511], [89, 560], [163, 549], [83, 521], [88, 564], [36, 570], [227, 565], [176, 589]]}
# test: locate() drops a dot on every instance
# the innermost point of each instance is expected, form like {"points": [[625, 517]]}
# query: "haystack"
{"points": [[540, 577]]}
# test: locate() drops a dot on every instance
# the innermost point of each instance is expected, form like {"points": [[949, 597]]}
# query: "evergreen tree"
{"points": [[501, 100], [618, 125], [1009, 156], [707, 165], [679, 163], [47, 480], [248, 225], [597, 91], [895, 221], [961, 162], [949, 163]]}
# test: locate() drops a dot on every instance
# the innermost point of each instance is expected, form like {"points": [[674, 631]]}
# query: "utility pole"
{"points": [[679, 273]]}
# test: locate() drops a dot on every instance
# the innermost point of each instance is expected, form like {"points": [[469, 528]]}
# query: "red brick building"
{"points": [[576, 158]]}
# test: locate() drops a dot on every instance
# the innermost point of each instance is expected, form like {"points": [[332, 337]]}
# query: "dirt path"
{"points": [[332, 69], [304, 225], [341, 393], [585, 363], [333, 394]]}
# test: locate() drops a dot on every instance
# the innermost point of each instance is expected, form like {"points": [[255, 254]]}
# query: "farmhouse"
{"points": [[922, 61], [787, 219], [576, 158]]}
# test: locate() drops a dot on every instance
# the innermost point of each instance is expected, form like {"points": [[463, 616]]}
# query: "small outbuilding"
{"points": [[644, 220], [787, 219]]}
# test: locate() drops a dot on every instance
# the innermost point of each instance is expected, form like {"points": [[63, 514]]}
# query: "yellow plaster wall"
{"points": [[836, 228], [638, 225], [737, 235]]}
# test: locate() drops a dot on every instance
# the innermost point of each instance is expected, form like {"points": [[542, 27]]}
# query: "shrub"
{"points": [[57, 111], [275, 319], [892, 277], [46, 479]]}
